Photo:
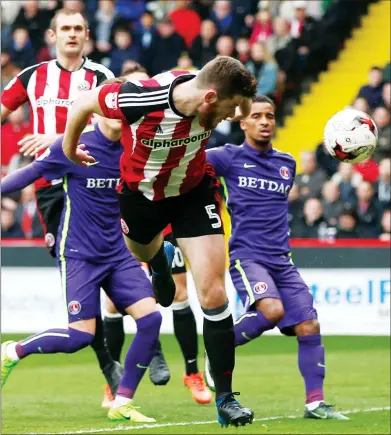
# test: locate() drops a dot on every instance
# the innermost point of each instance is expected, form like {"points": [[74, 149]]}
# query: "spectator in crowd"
{"points": [[386, 226], [386, 95], [311, 179], [325, 161], [367, 210], [36, 20], [263, 27], [94, 54], [347, 226], [295, 206], [372, 92], [48, 51], [332, 205], [225, 46], [383, 186], [368, 168], [387, 73], [165, 49], [106, 19], [226, 19], [22, 51], [27, 214], [360, 103], [242, 48], [312, 224], [347, 180], [10, 228], [146, 30], [12, 132], [281, 36], [125, 49], [382, 119], [185, 62], [264, 68], [186, 21], [203, 48], [8, 69], [6, 32], [75, 5]]}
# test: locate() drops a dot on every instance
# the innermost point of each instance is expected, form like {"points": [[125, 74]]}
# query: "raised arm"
{"points": [[20, 178], [82, 109]]}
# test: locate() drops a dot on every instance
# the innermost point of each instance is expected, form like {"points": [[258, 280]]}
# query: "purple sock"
{"points": [[251, 325], [312, 366], [54, 341], [140, 353]]}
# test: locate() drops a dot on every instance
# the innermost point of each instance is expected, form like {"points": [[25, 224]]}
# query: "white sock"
{"points": [[313, 405], [10, 351], [120, 401]]}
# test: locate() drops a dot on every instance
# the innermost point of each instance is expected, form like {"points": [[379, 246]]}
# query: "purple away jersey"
{"points": [[90, 224], [256, 186]]}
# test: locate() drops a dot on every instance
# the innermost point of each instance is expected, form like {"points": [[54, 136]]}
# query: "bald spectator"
{"points": [[226, 19], [311, 179], [313, 224], [367, 210], [382, 119], [383, 186], [332, 205], [372, 92], [186, 21], [360, 103], [225, 46], [203, 48]]}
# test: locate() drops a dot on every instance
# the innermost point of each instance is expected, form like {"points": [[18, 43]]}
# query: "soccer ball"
{"points": [[350, 136]]}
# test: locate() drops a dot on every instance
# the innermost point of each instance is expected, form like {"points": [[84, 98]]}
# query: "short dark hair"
{"points": [[133, 69], [376, 68], [69, 12], [264, 99], [229, 77]]}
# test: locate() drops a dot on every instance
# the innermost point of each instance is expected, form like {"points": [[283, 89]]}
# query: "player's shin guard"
{"points": [[219, 339], [140, 353], [312, 366], [251, 325], [185, 329], [114, 334], [54, 341]]}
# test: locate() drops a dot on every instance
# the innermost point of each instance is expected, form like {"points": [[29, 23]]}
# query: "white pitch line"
{"points": [[191, 423]]}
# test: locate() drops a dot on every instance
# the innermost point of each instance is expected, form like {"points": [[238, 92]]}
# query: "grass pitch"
{"points": [[62, 393]]}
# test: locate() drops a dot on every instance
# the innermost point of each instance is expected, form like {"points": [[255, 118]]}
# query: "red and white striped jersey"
{"points": [[50, 91], [164, 152]]}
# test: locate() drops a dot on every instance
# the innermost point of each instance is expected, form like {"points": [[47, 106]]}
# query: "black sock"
{"points": [[115, 335], [185, 329], [159, 263], [219, 339], [100, 347]]}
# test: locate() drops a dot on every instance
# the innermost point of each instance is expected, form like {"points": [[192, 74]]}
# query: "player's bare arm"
{"points": [[4, 112], [35, 143], [81, 112]]}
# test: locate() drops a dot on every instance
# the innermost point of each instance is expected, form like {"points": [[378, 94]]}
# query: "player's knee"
{"points": [[271, 308], [78, 340], [309, 327], [212, 296], [181, 290], [150, 322]]}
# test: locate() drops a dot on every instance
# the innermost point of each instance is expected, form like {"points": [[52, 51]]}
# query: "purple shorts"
{"points": [[124, 281], [254, 280]]}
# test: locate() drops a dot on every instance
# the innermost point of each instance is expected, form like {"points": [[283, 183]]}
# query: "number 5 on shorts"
{"points": [[212, 215]]}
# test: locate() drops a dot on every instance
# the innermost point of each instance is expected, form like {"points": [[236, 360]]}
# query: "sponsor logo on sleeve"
{"points": [[111, 100]]}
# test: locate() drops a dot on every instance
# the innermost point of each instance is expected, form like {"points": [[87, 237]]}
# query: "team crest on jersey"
{"points": [[260, 287], [83, 86], [284, 172], [111, 100], [124, 227], [50, 240], [74, 307]]}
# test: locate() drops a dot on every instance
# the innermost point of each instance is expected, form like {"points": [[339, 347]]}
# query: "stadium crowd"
{"points": [[281, 42]]}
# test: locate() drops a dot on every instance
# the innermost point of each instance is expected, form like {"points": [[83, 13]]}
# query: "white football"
{"points": [[350, 136]]}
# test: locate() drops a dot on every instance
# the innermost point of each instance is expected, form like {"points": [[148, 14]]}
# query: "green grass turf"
{"points": [[61, 393]]}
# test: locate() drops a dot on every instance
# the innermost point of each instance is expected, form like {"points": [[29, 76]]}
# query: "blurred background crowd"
{"points": [[284, 43]]}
